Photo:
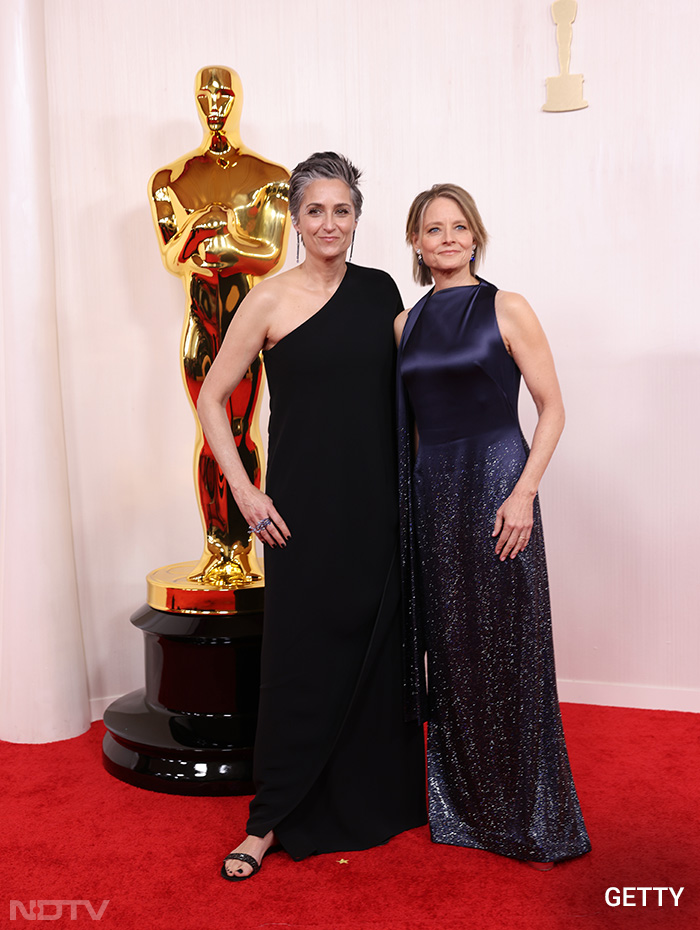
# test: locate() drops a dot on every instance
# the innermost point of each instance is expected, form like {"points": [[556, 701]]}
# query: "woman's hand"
{"points": [[513, 525], [257, 508]]}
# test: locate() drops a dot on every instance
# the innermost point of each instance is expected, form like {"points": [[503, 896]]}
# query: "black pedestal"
{"points": [[191, 729]]}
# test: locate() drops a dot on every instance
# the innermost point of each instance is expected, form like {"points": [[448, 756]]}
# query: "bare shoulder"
{"points": [[264, 303], [399, 323], [273, 288], [511, 304], [515, 315], [265, 296]]}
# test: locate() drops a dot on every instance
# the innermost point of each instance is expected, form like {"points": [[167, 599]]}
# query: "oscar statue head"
{"points": [[219, 95]]}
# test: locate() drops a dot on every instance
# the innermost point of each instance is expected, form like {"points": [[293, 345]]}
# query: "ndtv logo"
{"points": [[53, 910]]}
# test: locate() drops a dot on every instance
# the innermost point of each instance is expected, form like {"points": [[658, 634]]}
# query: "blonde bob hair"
{"points": [[421, 272]]}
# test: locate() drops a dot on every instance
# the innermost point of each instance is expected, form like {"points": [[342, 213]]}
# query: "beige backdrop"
{"points": [[593, 216]]}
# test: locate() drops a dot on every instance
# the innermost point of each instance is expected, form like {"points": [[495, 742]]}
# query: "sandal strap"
{"points": [[244, 857]]}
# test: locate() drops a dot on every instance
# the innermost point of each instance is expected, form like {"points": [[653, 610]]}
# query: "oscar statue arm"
{"points": [[258, 227], [174, 224], [250, 234]]}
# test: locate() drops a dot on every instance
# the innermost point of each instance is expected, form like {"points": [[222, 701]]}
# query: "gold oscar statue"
{"points": [[565, 91], [220, 214]]}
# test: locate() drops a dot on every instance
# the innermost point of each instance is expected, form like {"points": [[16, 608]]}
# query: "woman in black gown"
{"points": [[473, 553], [335, 766]]}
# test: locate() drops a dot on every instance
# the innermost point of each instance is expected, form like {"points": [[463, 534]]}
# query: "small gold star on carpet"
{"points": [[343, 861]]}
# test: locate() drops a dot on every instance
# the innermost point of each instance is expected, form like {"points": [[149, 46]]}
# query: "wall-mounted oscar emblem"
{"points": [[220, 214], [565, 91]]}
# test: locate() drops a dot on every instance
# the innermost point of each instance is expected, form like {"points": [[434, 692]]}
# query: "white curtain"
{"points": [[43, 683], [592, 216]]}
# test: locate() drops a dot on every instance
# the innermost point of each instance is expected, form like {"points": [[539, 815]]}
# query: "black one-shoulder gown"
{"points": [[336, 766]]}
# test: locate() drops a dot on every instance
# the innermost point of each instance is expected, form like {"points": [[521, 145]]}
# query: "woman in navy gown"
{"points": [[473, 553], [335, 765]]}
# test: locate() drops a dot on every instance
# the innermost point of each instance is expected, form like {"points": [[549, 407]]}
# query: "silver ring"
{"points": [[260, 526]]}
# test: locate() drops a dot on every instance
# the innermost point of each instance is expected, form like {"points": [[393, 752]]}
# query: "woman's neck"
{"points": [[326, 272], [455, 279]]}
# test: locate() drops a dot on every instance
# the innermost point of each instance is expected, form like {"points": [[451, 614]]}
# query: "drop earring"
{"points": [[352, 244], [473, 258], [298, 239], [419, 255]]}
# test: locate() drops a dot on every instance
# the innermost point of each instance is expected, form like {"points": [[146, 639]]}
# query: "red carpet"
{"points": [[71, 832]]}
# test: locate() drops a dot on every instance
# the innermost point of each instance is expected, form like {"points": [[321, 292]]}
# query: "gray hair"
{"points": [[317, 167]]}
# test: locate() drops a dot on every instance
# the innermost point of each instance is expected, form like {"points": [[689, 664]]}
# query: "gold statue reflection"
{"points": [[220, 214]]}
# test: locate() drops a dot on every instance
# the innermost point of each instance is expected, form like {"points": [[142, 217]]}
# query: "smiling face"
{"points": [[445, 239], [326, 218]]}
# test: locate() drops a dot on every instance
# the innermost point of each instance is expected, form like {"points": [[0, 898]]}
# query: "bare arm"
{"points": [[399, 323], [525, 340], [244, 339]]}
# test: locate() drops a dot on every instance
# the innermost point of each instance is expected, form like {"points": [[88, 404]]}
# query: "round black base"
{"points": [[185, 755], [191, 729]]}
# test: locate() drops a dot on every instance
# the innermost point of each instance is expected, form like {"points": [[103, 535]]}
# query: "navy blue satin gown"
{"points": [[498, 770]]}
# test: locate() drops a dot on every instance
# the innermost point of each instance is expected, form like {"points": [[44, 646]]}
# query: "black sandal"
{"points": [[244, 857], [249, 860]]}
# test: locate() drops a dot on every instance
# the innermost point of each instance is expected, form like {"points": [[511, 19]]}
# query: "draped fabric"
{"points": [[43, 682], [414, 646]]}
